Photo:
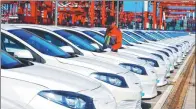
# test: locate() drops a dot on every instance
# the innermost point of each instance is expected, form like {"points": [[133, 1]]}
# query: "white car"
{"points": [[183, 44], [165, 51], [149, 34], [148, 81], [36, 86], [161, 71], [9, 104], [154, 52], [160, 68], [77, 45], [172, 47], [38, 50], [128, 38]]}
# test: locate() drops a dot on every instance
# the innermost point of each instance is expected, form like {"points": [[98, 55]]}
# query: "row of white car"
{"points": [[50, 67]]}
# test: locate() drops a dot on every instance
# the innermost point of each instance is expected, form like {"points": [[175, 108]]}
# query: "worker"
{"points": [[113, 36]]}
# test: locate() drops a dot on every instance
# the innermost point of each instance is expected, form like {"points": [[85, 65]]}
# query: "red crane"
{"points": [[163, 8]]}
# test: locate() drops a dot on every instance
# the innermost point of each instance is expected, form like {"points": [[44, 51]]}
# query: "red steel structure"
{"points": [[163, 6], [72, 12]]}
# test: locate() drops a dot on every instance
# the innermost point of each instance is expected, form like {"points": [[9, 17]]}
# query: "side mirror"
{"points": [[24, 54], [67, 49]]}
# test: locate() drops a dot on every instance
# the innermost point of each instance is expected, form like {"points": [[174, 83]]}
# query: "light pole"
{"points": [[56, 12], [117, 13], [146, 22]]}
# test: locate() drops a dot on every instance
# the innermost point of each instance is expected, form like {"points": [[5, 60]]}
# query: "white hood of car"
{"points": [[52, 78], [9, 104], [91, 63], [123, 58]]}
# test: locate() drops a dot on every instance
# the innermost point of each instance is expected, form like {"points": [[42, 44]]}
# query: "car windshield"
{"points": [[126, 43], [135, 36], [95, 36], [129, 38], [159, 35], [77, 40], [8, 62], [163, 33], [145, 35], [154, 35], [103, 32], [167, 34], [40, 44]]}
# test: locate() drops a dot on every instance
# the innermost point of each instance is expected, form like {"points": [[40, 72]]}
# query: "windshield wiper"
{"points": [[18, 65], [99, 50], [71, 55]]}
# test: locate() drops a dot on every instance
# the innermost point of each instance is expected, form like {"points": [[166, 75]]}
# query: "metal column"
{"points": [[117, 13], [146, 23], [164, 23], [103, 13], [154, 15], [56, 12], [112, 9], [161, 17]]}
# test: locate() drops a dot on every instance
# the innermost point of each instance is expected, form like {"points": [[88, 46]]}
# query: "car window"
{"points": [[126, 43], [135, 36], [77, 40], [103, 32], [8, 62], [10, 45], [162, 37], [145, 35], [95, 35], [151, 33], [18, 47], [40, 44], [165, 36], [84, 38], [49, 37], [128, 38]]}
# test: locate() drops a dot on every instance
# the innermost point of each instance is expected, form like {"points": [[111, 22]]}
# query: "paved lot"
{"points": [[150, 103], [189, 102]]}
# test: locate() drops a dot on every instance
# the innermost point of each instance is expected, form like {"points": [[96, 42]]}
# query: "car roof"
{"points": [[8, 27], [48, 27]]}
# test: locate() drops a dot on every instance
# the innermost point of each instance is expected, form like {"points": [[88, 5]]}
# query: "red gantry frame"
{"points": [[90, 12]]}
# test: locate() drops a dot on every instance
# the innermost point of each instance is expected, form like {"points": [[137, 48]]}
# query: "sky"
{"points": [[135, 6], [138, 6]]}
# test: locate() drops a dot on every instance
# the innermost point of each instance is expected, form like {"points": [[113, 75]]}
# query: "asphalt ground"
{"points": [[189, 102]]}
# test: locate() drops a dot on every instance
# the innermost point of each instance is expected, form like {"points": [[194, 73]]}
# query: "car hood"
{"points": [[91, 63], [53, 78], [137, 53], [141, 53], [9, 104], [122, 57]]}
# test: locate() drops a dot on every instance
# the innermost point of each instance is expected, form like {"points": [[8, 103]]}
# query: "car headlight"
{"points": [[178, 45], [134, 68], [168, 50], [174, 48], [158, 55], [152, 62], [68, 99], [111, 79], [164, 52]]}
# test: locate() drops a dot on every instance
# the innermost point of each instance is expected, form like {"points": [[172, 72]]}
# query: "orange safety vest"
{"points": [[115, 32]]}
